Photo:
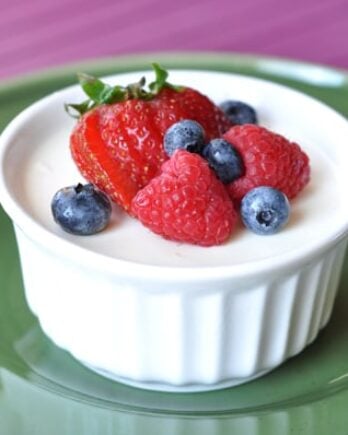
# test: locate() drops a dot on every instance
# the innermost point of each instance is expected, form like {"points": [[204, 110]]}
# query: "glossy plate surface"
{"points": [[44, 390]]}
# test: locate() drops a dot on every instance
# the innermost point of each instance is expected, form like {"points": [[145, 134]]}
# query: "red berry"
{"points": [[269, 160], [186, 202], [119, 147]]}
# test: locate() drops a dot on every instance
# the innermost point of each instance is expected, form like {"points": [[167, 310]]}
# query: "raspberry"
{"points": [[269, 160], [186, 202]]}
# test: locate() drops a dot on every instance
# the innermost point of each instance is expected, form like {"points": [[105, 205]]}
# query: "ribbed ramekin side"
{"points": [[205, 337], [335, 275], [297, 306], [240, 333], [258, 328]]}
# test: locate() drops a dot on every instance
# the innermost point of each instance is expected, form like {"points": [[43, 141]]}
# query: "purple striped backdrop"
{"points": [[35, 34]]}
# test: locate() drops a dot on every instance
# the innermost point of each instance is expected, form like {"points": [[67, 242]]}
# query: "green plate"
{"points": [[43, 390]]}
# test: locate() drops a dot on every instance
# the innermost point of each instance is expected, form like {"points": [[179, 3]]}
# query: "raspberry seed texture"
{"points": [[269, 160], [186, 202]]}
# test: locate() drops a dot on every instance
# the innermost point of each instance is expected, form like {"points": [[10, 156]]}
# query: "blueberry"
{"points": [[224, 159], [188, 135], [238, 112], [265, 210], [81, 209]]}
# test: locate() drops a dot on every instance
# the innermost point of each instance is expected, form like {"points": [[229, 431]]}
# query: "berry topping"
{"points": [[269, 160], [186, 202], [81, 209], [117, 143], [238, 112], [187, 135], [265, 210], [224, 159]]}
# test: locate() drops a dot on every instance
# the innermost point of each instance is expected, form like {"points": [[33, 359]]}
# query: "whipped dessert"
{"points": [[49, 166]]}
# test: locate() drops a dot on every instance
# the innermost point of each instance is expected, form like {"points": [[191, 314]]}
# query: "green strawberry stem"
{"points": [[101, 93]]}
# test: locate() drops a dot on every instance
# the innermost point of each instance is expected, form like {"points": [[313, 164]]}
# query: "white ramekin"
{"points": [[171, 328]]}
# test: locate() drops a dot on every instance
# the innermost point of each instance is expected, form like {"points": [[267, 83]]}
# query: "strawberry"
{"points": [[117, 143], [186, 202], [269, 160]]}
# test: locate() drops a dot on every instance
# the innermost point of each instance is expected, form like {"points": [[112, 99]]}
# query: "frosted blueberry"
{"points": [[187, 135], [239, 112], [265, 210], [81, 209], [224, 159]]}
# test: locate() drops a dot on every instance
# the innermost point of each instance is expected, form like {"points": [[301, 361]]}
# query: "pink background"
{"points": [[36, 34]]}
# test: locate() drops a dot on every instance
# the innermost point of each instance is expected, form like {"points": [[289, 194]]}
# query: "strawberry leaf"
{"points": [[76, 110], [101, 93], [113, 95], [136, 90], [160, 81], [94, 88]]}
